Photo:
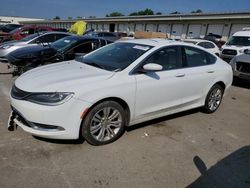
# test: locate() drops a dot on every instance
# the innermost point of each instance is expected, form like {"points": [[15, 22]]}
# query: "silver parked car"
{"points": [[35, 39], [241, 65]]}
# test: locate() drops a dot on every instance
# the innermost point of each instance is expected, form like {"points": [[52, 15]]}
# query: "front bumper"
{"points": [[241, 75], [3, 59], [56, 122]]}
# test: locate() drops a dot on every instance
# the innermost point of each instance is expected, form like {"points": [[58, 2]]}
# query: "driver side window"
{"points": [[169, 58]]}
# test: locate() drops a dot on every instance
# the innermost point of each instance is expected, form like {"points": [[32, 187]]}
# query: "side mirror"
{"points": [[152, 67]]}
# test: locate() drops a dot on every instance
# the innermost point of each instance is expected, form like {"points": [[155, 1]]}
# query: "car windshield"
{"points": [[64, 43], [116, 56], [239, 41]]}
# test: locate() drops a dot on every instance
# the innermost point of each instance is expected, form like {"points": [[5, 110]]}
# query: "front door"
{"points": [[160, 91]]}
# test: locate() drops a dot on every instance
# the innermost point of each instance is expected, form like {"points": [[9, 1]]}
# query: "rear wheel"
{"points": [[213, 99], [104, 123]]}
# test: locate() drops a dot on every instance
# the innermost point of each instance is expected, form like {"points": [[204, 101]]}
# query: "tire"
{"points": [[213, 99], [104, 123]]}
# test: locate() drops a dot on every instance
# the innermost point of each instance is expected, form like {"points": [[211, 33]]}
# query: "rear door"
{"points": [[199, 73]]}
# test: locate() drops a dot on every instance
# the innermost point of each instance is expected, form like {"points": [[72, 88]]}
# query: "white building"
{"points": [[15, 19], [175, 25]]}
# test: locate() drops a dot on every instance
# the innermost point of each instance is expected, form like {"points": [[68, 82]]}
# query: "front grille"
{"points": [[229, 52], [243, 67], [18, 93]]}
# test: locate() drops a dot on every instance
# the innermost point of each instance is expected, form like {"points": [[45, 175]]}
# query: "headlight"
{"points": [[50, 99], [242, 50]]}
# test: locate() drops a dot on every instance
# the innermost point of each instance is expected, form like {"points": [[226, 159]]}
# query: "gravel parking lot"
{"points": [[190, 149]]}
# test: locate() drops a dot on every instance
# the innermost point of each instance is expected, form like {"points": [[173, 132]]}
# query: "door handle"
{"points": [[210, 71], [180, 75]]}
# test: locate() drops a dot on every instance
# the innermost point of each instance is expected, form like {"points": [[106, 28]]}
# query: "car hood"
{"points": [[243, 58], [13, 43], [232, 47], [68, 76]]}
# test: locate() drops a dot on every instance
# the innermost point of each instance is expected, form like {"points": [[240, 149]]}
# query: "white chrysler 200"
{"points": [[119, 85]]}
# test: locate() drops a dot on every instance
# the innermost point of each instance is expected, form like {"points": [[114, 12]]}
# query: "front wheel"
{"points": [[104, 124], [213, 99]]}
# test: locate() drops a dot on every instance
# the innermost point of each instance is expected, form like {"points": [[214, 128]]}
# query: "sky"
{"points": [[99, 8]]}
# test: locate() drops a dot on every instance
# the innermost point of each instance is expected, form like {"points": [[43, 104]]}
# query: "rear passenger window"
{"points": [[206, 45], [209, 45], [196, 57]]}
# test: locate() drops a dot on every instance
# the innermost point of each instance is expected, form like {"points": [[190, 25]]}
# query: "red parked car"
{"points": [[24, 31]]}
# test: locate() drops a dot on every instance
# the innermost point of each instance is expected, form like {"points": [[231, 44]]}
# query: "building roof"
{"points": [[170, 17]]}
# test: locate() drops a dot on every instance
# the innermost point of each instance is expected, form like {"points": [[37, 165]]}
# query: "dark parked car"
{"points": [[43, 38], [67, 48], [215, 38], [105, 35], [9, 27]]}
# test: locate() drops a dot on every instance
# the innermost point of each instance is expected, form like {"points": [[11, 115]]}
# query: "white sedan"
{"points": [[119, 85], [208, 45]]}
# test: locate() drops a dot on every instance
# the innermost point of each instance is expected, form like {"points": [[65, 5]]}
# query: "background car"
{"points": [[241, 65], [67, 48], [43, 38], [9, 27], [5, 29], [215, 39], [236, 45], [119, 85], [105, 35], [208, 45]]}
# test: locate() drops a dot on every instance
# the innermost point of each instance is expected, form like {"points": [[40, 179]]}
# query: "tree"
{"points": [[142, 12], [56, 18], [176, 12], [79, 17], [114, 14], [92, 16], [158, 13], [69, 18], [197, 11]]}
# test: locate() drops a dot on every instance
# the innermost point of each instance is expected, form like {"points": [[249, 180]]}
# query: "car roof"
{"points": [[53, 32], [80, 38], [195, 40], [242, 33], [153, 41]]}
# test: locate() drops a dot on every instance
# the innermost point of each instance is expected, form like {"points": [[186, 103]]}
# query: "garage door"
{"points": [[238, 27], [194, 31], [215, 29], [94, 26], [150, 27], [139, 27], [176, 31], [99, 27], [131, 27], [164, 28], [123, 27], [105, 27]]}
